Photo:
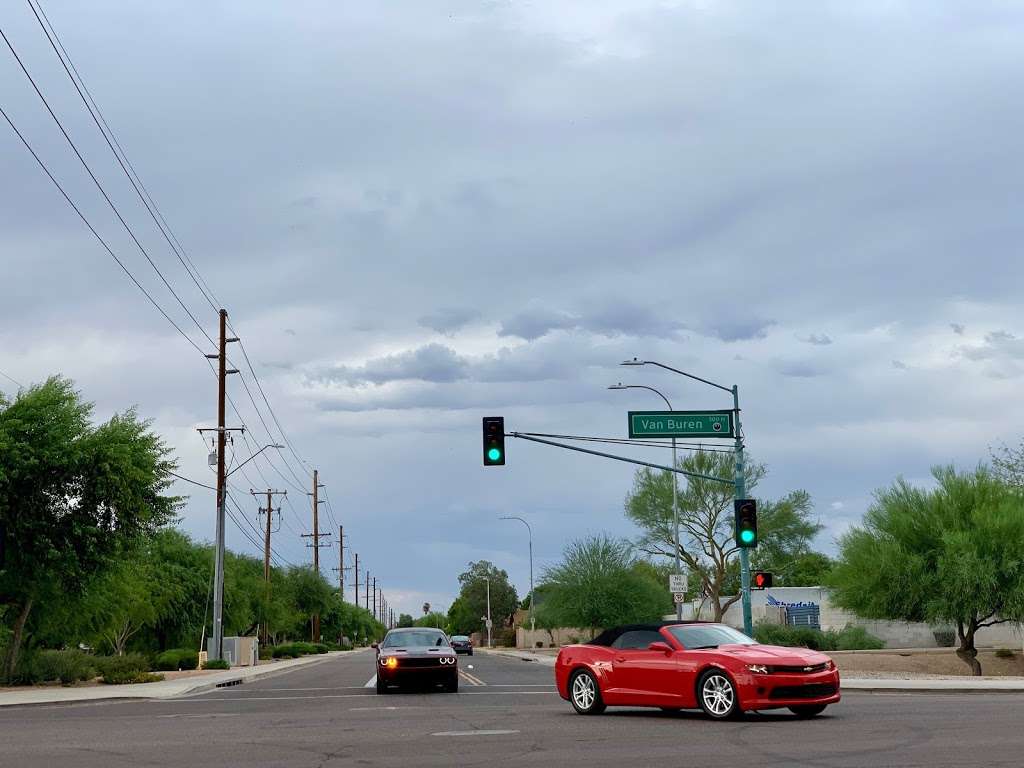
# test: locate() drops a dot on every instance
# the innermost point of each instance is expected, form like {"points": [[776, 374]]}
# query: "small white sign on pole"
{"points": [[678, 598], [677, 583]]}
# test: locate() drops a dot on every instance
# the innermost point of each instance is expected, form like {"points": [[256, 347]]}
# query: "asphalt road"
{"points": [[323, 715]]}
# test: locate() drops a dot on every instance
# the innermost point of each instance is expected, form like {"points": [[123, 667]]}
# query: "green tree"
{"points": [[473, 593], [72, 496], [462, 618], [404, 620], [600, 583], [707, 545], [433, 619], [948, 555]]}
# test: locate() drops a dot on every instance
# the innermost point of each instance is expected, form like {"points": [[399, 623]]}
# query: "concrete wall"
{"points": [[526, 638], [895, 634]]}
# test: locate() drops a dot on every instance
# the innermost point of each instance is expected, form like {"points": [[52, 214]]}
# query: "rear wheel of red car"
{"points": [[716, 694], [808, 710], [584, 694]]}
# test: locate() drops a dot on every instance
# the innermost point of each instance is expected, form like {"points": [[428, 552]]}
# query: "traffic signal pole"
{"points": [[741, 492]]}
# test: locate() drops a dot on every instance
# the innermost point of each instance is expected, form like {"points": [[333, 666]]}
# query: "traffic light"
{"points": [[761, 580], [746, 523], [494, 441]]}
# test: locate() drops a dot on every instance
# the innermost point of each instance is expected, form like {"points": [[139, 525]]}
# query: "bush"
{"points": [[266, 652], [175, 659], [854, 638], [67, 666], [217, 664], [851, 638], [116, 670], [285, 651], [944, 638], [320, 647], [1004, 653], [135, 677], [294, 650]]}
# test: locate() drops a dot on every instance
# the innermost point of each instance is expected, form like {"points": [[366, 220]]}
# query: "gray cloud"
{"points": [[433, 362], [818, 339], [532, 324], [799, 369], [899, 365], [447, 320], [738, 330], [958, 329]]}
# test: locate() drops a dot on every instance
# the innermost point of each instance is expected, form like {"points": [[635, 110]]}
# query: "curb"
{"points": [[180, 690]]}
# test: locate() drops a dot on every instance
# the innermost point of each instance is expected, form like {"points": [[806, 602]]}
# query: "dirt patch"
{"points": [[944, 663]]}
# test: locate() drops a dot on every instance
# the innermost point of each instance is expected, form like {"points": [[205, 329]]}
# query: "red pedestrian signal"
{"points": [[761, 580]]}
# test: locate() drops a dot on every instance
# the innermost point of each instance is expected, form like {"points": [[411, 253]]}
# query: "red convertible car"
{"points": [[685, 665]]}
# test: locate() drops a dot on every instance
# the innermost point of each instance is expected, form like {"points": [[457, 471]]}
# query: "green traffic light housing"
{"points": [[494, 441], [746, 523]]}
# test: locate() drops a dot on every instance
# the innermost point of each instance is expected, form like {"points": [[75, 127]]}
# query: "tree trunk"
{"points": [[12, 651], [967, 653]]}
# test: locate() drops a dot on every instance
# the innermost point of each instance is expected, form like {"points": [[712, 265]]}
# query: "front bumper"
{"points": [[776, 690]]}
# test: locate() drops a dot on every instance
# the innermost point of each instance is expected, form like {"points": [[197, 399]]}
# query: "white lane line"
{"points": [[371, 683], [472, 733]]}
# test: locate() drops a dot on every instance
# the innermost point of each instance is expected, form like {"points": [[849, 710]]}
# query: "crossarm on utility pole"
{"points": [[532, 439]]}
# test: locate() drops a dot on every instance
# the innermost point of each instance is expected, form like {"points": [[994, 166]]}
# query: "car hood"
{"points": [[416, 653], [773, 654]]}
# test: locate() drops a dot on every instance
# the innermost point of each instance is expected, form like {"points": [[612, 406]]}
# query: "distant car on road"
{"points": [[687, 665], [417, 655], [462, 644]]}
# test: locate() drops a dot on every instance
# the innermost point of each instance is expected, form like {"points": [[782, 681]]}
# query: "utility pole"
{"points": [[315, 535], [265, 629], [375, 597], [356, 600], [216, 652], [341, 562], [367, 590]]}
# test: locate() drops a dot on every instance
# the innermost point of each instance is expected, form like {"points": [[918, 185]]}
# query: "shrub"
{"points": [[217, 664], [122, 669], [175, 659], [285, 651], [320, 647], [944, 638], [266, 652], [135, 677], [854, 638], [1004, 653], [68, 666]]}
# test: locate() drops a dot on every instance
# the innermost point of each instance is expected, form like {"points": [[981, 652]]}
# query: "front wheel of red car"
{"points": [[808, 710], [585, 694], [716, 694]]}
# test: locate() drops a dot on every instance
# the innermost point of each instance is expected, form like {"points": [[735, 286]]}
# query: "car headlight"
{"points": [[390, 662], [757, 669], [830, 664]]}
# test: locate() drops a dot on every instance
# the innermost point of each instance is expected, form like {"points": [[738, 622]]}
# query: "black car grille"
{"points": [[812, 691], [807, 669], [418, 662]]}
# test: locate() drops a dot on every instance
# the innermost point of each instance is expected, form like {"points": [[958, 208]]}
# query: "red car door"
{"points": [[643, 677]]}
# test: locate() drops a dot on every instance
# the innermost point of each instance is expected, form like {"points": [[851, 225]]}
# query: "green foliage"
{"points": [[433, 619], [116, 670], [707, 545], [950, 555], [72, 496], [69, 666], [405, 620], [850, 638], [175, 659], [599, 583], [294, 650], [472, 600], [217, 664]]}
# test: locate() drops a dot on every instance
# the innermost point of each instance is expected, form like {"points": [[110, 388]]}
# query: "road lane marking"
{"points": [[371, 683], [473, 733], [471, 679]]}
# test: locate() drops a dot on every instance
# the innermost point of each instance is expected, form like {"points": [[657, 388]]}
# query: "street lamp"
{"points": [[740, 480], [528, 528], [675, 491]]}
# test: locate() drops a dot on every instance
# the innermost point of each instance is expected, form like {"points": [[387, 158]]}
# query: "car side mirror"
{"points": [[660, 646]]}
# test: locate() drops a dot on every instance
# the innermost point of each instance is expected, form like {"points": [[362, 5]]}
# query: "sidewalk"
{"points": [[932, 684], [168, 689]]}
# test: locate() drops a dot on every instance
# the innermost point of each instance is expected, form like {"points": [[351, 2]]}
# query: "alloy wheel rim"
{"points": [[717, 693], [583, 691]]}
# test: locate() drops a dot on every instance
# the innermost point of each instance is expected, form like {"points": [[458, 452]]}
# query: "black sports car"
{"points": [[462, 644], [417, 655]]}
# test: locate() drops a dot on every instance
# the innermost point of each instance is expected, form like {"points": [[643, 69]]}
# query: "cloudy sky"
{"points": [[421, 213]]}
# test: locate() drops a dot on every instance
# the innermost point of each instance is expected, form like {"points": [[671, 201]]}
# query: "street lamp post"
{"points": [[530, 530], [739, 476], [489, 623], [675, 486]]}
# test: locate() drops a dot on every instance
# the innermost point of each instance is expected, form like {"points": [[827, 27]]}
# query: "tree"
{"points": [[599, 583], [404, 620], [462, 618], [707, 546], [72, 496], [473, 593], [1008, 465], [948, 555], [433, 619]]}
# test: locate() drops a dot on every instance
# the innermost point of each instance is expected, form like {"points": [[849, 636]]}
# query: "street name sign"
{"points": [[677, 582], [680, 424]]}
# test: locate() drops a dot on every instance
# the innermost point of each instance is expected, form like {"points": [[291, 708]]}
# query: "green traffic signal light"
{"points": [[494, 441], [746, 523], [494, 454], [747, 536]]}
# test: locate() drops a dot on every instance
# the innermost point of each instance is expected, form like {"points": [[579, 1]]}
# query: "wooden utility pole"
{"points": [[356, 601], [341, 562], [315, 535], [265, 629], [367, 590], [375, 597]]}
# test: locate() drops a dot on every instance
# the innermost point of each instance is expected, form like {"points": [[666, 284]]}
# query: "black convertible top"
{"points": [[609, 636]]}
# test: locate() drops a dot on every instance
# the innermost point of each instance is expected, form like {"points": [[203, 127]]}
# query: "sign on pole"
{"points": [[678, 598], [680, 424], [677, 582]]}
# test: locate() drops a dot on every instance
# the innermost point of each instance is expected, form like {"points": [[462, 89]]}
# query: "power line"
{"points": [[100, 187], [96, 234], [697, 447], [11, 378], [97, 115], [190, 480]]}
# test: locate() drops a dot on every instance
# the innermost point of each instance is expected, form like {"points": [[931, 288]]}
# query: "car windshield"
{"points": [[421, 638], [694, 636]]}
